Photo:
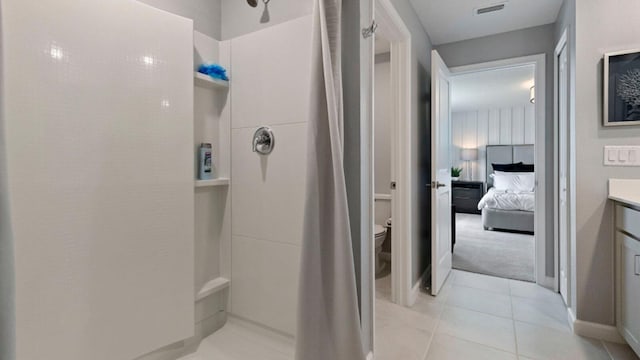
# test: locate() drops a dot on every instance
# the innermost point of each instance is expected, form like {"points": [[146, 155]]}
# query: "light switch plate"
{"points": [[622, 155]]}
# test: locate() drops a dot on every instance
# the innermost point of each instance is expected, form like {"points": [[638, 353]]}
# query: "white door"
{"points": [[563, 161], [440, 173]]}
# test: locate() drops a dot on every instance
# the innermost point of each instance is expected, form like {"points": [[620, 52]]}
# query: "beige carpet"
{"points": [[498, 253]]}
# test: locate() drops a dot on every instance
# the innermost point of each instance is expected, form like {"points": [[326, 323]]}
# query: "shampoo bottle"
{"points": [[206, 162]]}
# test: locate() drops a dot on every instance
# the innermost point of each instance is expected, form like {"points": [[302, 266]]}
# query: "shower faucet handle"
{"points": [[263, 141]]}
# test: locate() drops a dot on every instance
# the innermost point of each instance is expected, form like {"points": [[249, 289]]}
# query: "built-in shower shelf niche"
{"points": [[206, 81], [212, 198], [212, 182], [212, 287]]}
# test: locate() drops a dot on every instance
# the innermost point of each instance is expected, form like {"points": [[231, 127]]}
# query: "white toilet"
{"points": [[380, 235]]}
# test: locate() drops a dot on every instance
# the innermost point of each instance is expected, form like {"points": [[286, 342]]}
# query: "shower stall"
{"points": [[111, 247]]}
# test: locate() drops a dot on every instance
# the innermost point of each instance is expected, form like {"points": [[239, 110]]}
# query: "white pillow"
{"points": [[512, 181]]}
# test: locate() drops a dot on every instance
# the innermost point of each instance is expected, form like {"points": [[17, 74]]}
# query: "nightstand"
{"points": [[466, 195]]}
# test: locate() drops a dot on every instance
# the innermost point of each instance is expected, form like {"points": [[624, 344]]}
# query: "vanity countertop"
{"points": [[626, 191]]}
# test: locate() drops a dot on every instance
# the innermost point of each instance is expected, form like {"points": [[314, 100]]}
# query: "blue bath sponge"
{"points": [[214, 70]]}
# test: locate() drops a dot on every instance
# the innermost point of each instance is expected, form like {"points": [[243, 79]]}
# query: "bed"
{"points": [[511, 211]]}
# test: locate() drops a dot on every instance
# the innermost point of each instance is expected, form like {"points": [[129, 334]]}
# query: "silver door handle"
{"points": [[436, 185], [636, 266]]}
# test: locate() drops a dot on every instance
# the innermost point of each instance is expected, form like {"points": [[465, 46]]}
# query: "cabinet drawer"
{"points": [[466, 206], [462, 193], [628, 220], [629, 291]]}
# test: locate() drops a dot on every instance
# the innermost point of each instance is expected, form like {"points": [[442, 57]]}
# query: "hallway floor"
{"points": [[483, 317]]}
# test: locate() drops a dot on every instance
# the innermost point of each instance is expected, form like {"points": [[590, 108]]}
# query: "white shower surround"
{"points": [[100, 176], [264, 263], [271, 81]]}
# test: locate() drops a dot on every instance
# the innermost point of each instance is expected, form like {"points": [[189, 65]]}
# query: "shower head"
{"points": [[252, 3]]}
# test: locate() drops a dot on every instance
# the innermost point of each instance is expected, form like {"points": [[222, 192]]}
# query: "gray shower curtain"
{"points": [[328, 315]]}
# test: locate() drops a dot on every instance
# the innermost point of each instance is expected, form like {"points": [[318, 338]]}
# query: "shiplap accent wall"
{"points": [[498, 126]]}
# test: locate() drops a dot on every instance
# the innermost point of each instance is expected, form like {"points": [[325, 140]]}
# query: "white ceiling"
{"points": [[454, 20], [492, 89]]}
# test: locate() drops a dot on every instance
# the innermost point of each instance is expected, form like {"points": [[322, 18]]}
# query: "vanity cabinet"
{"points": [[628, 274]]}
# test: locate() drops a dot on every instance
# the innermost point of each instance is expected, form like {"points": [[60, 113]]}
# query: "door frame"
{"points": [[562, 44], [390, 23], [540, 223]]}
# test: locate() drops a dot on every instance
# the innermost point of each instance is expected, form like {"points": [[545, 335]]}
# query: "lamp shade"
{"points": [[469, 154]]}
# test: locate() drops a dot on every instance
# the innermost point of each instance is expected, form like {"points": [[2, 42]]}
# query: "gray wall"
{"points": [[206, 14], [421, 141], [239, 18], [382, 132], [531, 41], [566, 20], [601, 26]]}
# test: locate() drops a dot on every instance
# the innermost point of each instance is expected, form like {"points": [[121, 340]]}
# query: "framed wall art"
{"points": [[622, 88]]}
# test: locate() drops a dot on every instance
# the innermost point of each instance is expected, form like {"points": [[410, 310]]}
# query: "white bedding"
{"points": [[507, 200]]}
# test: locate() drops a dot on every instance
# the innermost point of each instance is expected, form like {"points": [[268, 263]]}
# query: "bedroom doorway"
{"points": [[498, 169], [493, 134]]}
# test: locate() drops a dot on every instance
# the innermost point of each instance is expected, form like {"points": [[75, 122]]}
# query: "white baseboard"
{"points": [[415, 290], [572, 319], [594, 330]]}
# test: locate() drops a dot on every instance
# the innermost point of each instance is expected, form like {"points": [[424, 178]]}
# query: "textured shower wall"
{"points": [[271, 81], [99, 146]]}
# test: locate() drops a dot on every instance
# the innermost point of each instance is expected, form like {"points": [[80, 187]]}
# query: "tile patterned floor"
{"points": [[482, 317]]}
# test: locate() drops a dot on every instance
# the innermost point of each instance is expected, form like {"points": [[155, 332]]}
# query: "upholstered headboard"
{"points": [[507, 154]]}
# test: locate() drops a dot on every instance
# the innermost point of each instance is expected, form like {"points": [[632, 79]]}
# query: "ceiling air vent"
{"points": [[490, 9]]}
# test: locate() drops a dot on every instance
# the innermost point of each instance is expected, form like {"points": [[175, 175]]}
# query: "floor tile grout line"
{"points": [[513, 323], [505, 294], [507, 318], [485, 290], [606, 349], [439, 318], [480, 312], [480, 289], [481, 344], [536, 299], [433, 334], [445, 304], [471, 341]]}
